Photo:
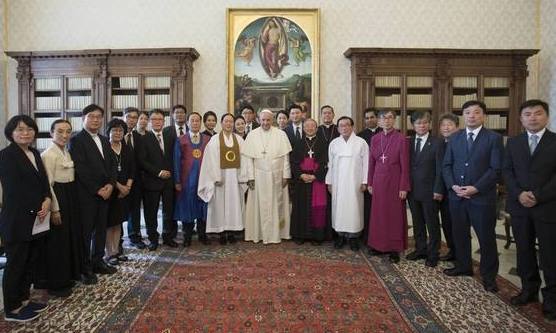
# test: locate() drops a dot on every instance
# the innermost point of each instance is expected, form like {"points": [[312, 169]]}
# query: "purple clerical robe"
{"points": [[388, 175]]}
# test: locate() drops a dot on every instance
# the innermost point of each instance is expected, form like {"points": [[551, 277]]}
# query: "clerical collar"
{"points": [[191, 133], [327, 126], [372, 129], [392, 130], [157, 133], [311, 137]]}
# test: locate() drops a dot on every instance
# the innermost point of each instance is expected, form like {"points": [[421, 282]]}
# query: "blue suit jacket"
{"points": [[480, 167]]}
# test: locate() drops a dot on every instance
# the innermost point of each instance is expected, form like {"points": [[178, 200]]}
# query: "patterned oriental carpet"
{"points": [[282, 288]]}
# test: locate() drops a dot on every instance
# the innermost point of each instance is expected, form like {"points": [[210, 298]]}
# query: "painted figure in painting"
{"points": [[246, 53], [274, 48]]}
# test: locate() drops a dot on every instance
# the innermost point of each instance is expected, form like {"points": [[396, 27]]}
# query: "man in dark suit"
{"points": [[133, 140], [171, 134], [426, 153], [155, 158], [294, 130], [327, 130], [530, 176], [471, 169], [250, 116], [95, 172], [371, 128]]}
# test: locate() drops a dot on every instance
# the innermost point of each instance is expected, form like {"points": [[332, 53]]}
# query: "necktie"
{"points": [[418, 146], [181, 130], [129, 139], [159, 137], [470, 141], [297, 133], [534, 141], [248, 128]]}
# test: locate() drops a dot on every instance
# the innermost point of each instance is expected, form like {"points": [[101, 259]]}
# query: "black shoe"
{"points": [[170, 243], [113, 260], [316, 243], [123, 258], [299, 241], [394, 257], [103, 268], [524, 298], [187, 242], [455, 272], [373, 252], [89, 278], [339, 242], [223, 240], [415, 256], [232, 239], [491, 287], [354, 244], [37, 307], [204, 240], [448, 257], [138, 244], [62, 293], [153, 246], [24, 315], [549, 316], [431, 263]]}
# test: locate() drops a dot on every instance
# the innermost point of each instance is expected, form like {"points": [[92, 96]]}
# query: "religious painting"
{"points": [[273, 59]]}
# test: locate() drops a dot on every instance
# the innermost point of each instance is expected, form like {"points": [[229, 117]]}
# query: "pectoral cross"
{"points": [[383, 158], [310, 153]]}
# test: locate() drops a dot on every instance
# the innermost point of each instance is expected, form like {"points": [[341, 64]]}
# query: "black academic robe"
{"points": [[300, 227]]}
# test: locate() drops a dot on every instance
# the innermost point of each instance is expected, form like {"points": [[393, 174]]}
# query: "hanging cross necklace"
{"points": [[310, 152], [383, 150]]}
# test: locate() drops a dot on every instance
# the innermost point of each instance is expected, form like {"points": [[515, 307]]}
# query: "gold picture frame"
{"points": [[273, 58]]}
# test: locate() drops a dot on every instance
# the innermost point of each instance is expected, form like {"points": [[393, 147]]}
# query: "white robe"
{"points": [[348, 164], [226, 203], [267, 215]]}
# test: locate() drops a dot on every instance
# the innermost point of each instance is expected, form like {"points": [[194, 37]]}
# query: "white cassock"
{"points": [[267, 215], [226, 201], [348, 163]]}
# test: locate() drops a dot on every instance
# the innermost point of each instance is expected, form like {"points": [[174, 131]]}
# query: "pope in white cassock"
{"points": [[223, 182], [267, 215], [348, 162]]}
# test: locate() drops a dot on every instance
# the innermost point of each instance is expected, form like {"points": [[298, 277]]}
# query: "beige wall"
{"points": [[79, 24], [547, 56]]}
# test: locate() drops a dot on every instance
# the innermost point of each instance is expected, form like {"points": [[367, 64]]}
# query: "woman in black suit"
{"points": [[209, 120], [26, 200], [118, 208]]}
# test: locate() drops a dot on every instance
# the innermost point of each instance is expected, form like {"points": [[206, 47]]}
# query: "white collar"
{"points": [[157, 133], [475, 131], [539, 134], [93, 135], [422, 137]]}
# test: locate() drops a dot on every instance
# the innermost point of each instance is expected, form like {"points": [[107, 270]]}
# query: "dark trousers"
{"points": [[367, 202], [151, 202], [425, 221], [447, 225], [134, 218], [525, 236], [94, 217], [18, 273], [546, 233], [526, 230], [483, 219], [188, 229]]}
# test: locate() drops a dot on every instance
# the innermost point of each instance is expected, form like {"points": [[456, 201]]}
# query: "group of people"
{"points": [[297, 180]]}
